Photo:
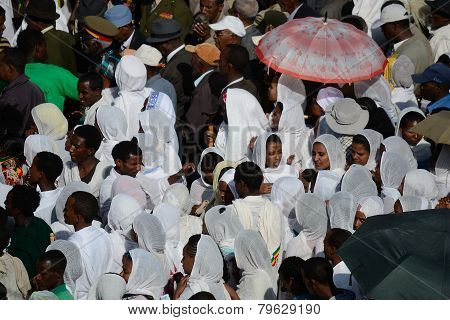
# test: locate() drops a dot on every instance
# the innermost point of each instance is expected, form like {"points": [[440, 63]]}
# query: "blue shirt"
{"points": [[441, 103]]}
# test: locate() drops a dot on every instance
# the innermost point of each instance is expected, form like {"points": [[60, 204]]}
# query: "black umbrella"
{"points": [[402, 256]]}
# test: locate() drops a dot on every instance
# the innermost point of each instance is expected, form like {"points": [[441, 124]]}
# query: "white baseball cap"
{"points": [[231, 23], [391, 13], [149, 56]]}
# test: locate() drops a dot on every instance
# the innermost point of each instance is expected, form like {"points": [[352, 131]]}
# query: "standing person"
{"points": [[20, 94], [90, 86], [229, 30], [246, 11], [41, 15], [440, 25], [94, 243], [31, 235], [297, 9], [166, 37], [50, 274], [213, 11]]}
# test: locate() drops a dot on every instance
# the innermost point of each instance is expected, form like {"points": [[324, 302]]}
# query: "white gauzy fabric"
{"points": [[113, 126], [109, 286], [312, 217], [442, 171], [259, 157], [37, 143], [131, 76], [413, 203], [122, 212], [393, 168], [374, 138], [223, 226], [246, 119], [400, 146], [170, 220], [159, 142], [50, 121], [371, 206], [207, 271], [131, 187], [74, 267], [370, 11], [259, 281], [421, 183], [358, 181], [162, 102], [335, 152], [341, 211], [326, 184], [151, 237], [328, 96], [60, 228], [228, 178], [147, 275]]}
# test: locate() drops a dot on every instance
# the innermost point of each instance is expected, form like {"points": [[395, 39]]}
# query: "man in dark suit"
{"points": [[165, 36], [297, 9]]}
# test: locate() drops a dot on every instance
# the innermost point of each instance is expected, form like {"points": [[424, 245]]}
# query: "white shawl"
{"points": [[37, 143], [400, 146], [374, 138], [341, 211], [421, 183], [393, 168], [358, 181], [326, 184], [335, 152], [413, 203]]}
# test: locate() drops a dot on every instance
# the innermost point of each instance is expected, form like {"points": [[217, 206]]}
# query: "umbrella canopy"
{"points": [[327, 52], [402, 256], [436, 127]]}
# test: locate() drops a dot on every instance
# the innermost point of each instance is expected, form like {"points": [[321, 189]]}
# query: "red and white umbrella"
{"points": [[326, 51]]}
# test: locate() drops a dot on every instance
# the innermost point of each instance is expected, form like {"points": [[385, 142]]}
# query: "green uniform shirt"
{"points": [[55, 82], [62, 293]]}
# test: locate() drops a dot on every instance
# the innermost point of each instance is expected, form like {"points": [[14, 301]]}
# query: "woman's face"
{"points": [[360, 155], [273, 154], [409, 136], [360, 218], [272, 91], [187, 261], [127, 266], [226, 195], [320, 157]]}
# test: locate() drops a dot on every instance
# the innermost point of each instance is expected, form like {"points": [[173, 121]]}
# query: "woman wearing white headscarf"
{"points": [[227, 187], [400, 146], [258, 281], [131, 76], [334, 160], [131, 187], [368, 207], [284, 194], [378, 90], [60, 228], [219, 171], [312, 217], [144, 276], [393, 168], [358, 181], [342, 210], [178, 196], [121, 215], [411, 203], [276, 167], [326, 184], [74, 267], [403, 86], [245, 119], [151, 237], [37, 143], [441, 170], [109, 286], [374, 139], [170, 220], [113, 126], [51, 122], [421, 150], [421, 183], [203, 263]]}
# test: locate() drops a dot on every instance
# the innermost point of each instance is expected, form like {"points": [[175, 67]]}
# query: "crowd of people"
{"points": [[147, 153]]}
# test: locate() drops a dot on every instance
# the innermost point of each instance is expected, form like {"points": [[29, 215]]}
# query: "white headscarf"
{"points": [[312, 216], [131, 77], [358, 181], [159, 142], [223, 226], [370, 12], [131, 187], [326, 183], [147, 275], [374, 138], [37, 143], [342, 210], [199, 165], [413, 203], [393, 168], [400, 146], [122, 212], [170, 220], [113, 125], [228, 178], [74, 267], [292, 94], [335, 152], [328, 96], [246, 119], [371, 206], [421, 183], [109, 286], [258, 281], [50, 121], [207, 271], [442, 171]]}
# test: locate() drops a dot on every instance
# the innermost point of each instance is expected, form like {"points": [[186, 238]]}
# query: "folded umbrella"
{"points": [[436, 127]]}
